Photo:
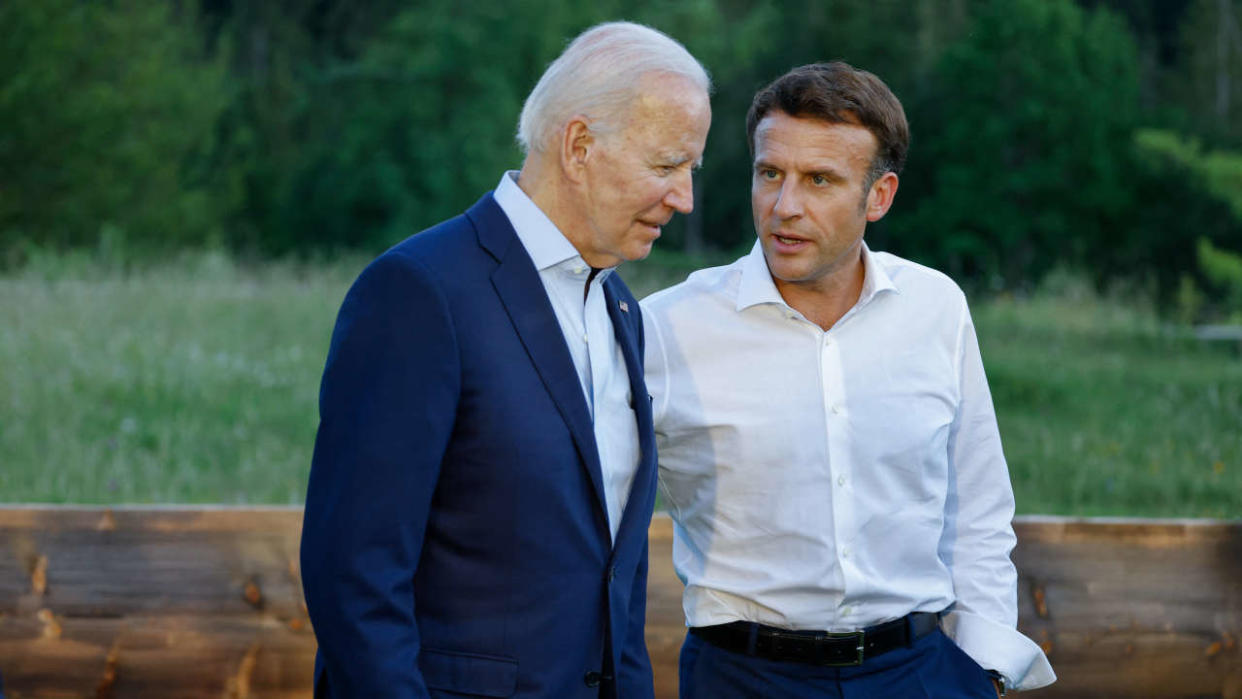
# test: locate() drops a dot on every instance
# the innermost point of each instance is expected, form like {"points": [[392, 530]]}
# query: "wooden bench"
{"points": [[206, 602]]}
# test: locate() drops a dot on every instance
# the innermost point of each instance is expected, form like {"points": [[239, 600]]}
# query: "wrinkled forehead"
{"points": [[673, 114], [658, 92]]}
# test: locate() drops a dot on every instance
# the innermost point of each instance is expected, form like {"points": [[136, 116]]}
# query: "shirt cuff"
{"points": [[998, 647]]}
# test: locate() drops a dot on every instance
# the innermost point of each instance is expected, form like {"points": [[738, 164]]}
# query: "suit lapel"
{"points": [[521, 292], [624, 314]]}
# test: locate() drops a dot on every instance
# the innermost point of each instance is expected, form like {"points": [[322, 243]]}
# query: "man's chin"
{"points": [[782, 270], [642, 254], [638, 251]]}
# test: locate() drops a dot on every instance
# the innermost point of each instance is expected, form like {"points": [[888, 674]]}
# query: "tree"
{"points": [[1209, 76], [1022, 143], [407, 133], [105, 110]]}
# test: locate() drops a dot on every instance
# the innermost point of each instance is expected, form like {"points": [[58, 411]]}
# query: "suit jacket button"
{"points": [[592, 678], [612, 573]]}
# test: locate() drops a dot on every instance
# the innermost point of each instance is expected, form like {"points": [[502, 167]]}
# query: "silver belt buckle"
{"points": [[858, 635]]}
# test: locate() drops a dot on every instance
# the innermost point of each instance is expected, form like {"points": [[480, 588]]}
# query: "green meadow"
{"points": [[195, 381]]}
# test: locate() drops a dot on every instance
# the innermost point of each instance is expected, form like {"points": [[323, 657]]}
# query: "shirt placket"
{"points": [[836, 430]]}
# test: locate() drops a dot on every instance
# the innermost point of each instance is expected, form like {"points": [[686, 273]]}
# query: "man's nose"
{"points": [[788, 202], [681, 196]]}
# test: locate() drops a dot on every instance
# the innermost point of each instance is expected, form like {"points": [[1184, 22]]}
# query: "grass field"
{"points": [[1102, 413], [196, 381]]}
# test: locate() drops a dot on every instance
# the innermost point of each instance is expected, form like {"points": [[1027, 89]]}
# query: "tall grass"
{"points": [[1105, 411], [196, 381]]}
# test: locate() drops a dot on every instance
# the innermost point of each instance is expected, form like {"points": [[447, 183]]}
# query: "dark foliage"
{"points": [[306, 126]]}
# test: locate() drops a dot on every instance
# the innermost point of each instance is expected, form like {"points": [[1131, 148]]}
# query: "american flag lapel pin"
{"points": [[625, 307]]}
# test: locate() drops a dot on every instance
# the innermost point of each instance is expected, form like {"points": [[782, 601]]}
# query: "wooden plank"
{"points": [[119, 562], [153, 602], [161, 656], [206, 601], [1134, 607]]}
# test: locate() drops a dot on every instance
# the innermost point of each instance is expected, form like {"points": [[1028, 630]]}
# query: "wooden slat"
{"points": [[190, 602], [153, 602], [1134, 608]]}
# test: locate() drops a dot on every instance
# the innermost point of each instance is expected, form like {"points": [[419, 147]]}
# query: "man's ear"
{"points": [[577, 147], [880, 198]]}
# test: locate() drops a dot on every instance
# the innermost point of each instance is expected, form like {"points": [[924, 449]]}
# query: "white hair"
{"points": [[597, 76]]}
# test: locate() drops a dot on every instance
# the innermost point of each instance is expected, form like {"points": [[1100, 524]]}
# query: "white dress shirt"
{"points": [[588, 333], [835, 480]]}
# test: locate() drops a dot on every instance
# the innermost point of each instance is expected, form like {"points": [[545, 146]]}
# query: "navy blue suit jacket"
{"points": [[455, 537]]}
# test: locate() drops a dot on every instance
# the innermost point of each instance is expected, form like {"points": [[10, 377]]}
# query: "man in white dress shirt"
{"points": [[827, 444]]}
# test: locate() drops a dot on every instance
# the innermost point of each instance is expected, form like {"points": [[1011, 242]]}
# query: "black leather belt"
{"points": [[818, 647]]}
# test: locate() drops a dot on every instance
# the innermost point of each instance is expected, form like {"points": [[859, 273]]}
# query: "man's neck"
{"points": [[542, 191], [555, 199], [826, 300]]}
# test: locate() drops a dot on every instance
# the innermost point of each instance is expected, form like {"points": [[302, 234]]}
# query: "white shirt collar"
{"points": [[756, 285]]}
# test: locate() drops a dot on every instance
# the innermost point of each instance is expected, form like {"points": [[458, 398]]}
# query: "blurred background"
{"points": [[187, 187]]}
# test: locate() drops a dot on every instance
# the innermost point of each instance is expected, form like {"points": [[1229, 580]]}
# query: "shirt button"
{"points": [[840, 480], [845, 553], [836, 410], [846, 611]]}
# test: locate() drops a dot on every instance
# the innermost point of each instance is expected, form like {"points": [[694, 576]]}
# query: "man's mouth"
{"points": [[787, 240], [654, 227]]}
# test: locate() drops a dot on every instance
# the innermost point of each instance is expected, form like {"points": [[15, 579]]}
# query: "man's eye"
{"points": [[768, 174], [665, 170], [819, 180]]}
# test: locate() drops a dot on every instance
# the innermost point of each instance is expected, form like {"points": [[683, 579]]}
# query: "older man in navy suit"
{"points": [[484, 471]]}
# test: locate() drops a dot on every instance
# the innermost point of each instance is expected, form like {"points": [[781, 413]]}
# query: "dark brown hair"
{"points": [[839, 93]]}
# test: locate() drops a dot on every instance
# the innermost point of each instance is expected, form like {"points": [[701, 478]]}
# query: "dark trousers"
{"points": [[933, 667]]}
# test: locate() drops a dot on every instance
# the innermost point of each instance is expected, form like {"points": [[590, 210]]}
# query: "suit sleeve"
{"points": [[634, 677], [387, 406]]}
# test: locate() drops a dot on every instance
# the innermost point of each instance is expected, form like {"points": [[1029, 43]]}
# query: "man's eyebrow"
{"points": [[674, 159], [825, 171], [677, 160], [764, 165], [828, 173]]}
